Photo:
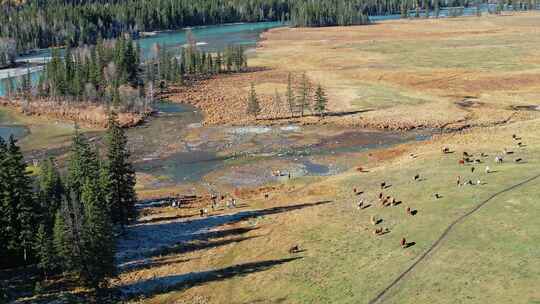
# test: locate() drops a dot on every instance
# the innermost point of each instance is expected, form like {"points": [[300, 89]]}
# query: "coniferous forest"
{"points": [[113, 73], [66, 223]]}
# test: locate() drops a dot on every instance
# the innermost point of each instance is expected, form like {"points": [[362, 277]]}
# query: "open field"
{"points": [[449, 73], [417, 72], [240, 255]]}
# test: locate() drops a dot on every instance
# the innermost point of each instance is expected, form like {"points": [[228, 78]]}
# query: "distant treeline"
{"points": [[40, 24], [329, 12], [112, 73]]}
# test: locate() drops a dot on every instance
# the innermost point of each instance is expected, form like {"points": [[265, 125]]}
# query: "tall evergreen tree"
{"points": [[68, 235], [16, 201], [44, 249], [83, 164], [320, 101], [51, 191], [60, 239], [97, 238], [5, 212], [253, 107], [120, 176]]}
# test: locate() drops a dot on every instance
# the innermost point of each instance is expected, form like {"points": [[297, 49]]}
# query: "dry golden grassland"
{"points": [[416, 72]]}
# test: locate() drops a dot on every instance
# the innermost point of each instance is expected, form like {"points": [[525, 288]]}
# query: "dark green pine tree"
{"points": [[5, 212], [16, 201], [120, 176], [131, 62], [253, 106], [44, 250], [320, 101], [83, 164], [51, 191], [97, 238], [61, 245], [68, 235]]}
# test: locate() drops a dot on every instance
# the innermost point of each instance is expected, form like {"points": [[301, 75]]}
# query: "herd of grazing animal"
{"points": [[467, 158], [216, 203]]}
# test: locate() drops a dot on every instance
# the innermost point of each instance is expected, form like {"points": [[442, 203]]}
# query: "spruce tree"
{"points": [[68, 235], [44, 249], [60, 238], [16, 201], [51, 191], [83, 164], [98, 244], [320, 101], [253, 107], [5, 212], [120, 176]]}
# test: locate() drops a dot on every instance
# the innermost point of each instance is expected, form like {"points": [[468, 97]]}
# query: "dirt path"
{"points": [[379, 297]]}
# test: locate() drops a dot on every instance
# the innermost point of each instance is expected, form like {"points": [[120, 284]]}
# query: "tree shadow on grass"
{"points": [[180, 282], [163, 218], [143, 240], [140, 265], [224, 233], [198, 245]]}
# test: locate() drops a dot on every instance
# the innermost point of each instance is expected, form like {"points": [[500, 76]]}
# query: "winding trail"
{"points": [[378, 298]]}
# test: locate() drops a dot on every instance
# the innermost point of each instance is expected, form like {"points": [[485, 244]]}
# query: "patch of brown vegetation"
{"points": [[85, 114], [223, 98]]}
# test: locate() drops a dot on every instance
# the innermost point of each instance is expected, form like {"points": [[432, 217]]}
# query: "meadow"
{"points": [[487, 256], [416, 72], [477, 243]]}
